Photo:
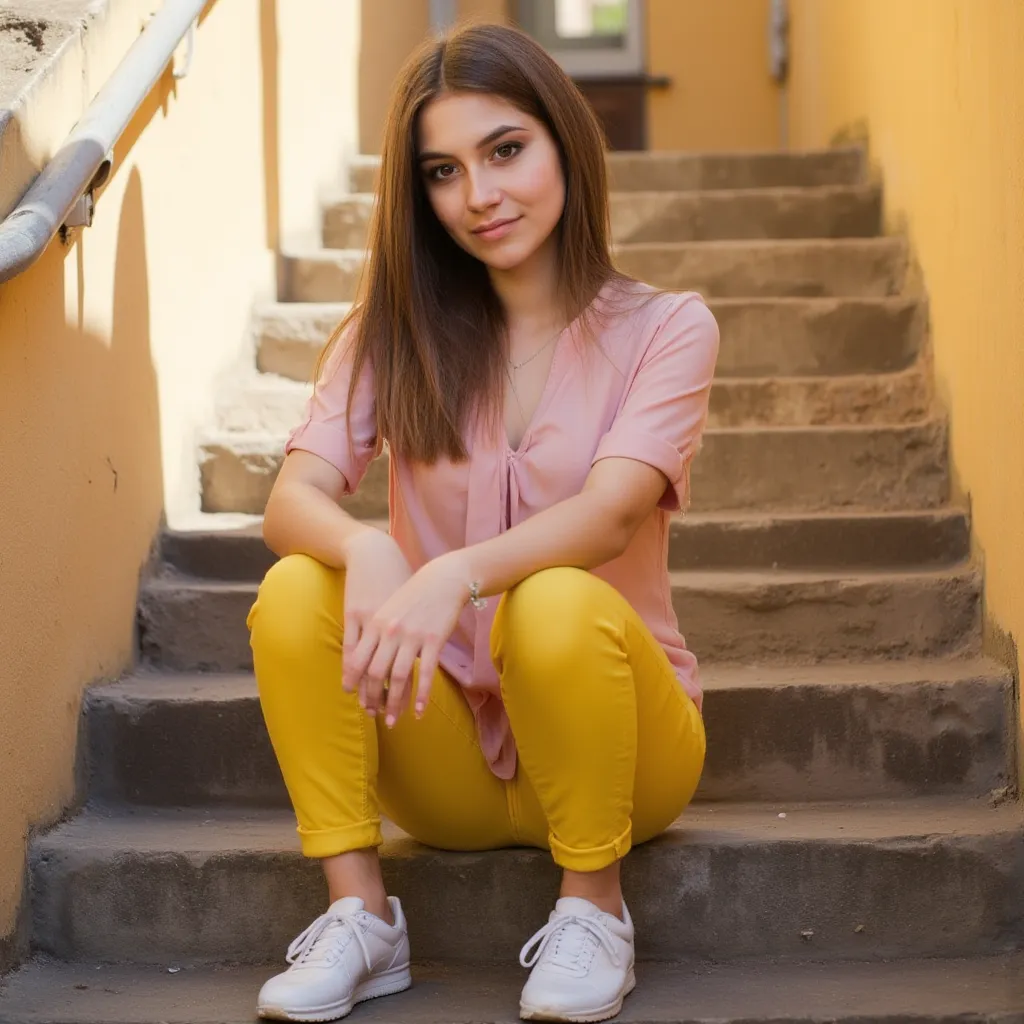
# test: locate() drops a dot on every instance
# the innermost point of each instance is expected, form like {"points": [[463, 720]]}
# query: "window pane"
{"points": [[583, 19]]}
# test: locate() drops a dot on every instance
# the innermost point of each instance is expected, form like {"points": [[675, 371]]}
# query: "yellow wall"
{"points": [[938, 88], [390, 31], [111, 349], [386, 41], [722, 95]]}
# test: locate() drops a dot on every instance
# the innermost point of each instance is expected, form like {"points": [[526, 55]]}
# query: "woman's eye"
{"points": [[507, 150], [441, 172]]}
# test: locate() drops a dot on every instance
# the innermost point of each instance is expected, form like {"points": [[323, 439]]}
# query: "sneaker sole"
{"points": [[398, 979], [590, 1016]]}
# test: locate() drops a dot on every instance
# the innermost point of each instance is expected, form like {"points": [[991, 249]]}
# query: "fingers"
{"points": [[400, 685], [356, 660], [430, 656], [351, 632], [378, 663], [378, 673]]}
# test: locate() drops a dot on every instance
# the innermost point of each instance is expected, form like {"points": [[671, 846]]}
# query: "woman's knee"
{"points": [[546, 621], [298, 599]]}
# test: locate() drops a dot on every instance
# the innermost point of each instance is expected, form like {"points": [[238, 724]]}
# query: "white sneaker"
{"points": [[582, 962], [345, 956]]}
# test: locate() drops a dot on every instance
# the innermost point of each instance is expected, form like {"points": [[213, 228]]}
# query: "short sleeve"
{"points": [[325, 430], [663, 412]]}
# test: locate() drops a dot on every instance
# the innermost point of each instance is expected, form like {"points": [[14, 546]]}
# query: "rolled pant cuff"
{"points": [[330, 842], [595, 858]]}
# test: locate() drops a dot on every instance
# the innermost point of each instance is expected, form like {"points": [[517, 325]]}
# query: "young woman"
{"points": [[503, 667]]}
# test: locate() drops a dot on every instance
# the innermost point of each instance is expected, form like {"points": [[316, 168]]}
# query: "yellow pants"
{"points": [[610, 746]]}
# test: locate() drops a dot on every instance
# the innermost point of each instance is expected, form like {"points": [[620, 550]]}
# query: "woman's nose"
{"points": [[481, 191]]}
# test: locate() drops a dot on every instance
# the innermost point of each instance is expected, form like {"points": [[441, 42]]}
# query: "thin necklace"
{"points": [[519, 366], [512, 384]]}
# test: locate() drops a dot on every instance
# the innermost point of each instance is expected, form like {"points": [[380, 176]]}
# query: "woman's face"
{"points": [[493, 176]]}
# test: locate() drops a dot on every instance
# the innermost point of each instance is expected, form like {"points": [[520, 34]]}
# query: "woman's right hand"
{"points": [[374, 569]]}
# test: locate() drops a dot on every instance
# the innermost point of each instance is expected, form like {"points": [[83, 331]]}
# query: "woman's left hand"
{"points": [[415, 622]]}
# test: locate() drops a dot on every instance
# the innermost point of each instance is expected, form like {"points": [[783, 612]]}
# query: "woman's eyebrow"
{"points": [[490, 137]]}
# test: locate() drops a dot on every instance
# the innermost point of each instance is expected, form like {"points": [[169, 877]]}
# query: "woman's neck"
{"points": [[530, 294]]}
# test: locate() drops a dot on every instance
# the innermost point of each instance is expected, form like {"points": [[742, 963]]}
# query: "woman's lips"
{"points": [[499, 229]]}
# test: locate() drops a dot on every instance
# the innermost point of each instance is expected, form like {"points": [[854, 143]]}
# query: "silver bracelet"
{"points": [[475, 599]]}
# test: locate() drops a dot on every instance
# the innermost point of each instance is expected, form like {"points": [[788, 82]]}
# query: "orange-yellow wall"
{"points": [[937, 88], [389, 31], [722, 95]]}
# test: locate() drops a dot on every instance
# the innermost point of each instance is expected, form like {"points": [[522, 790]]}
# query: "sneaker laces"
{"points": [[572, 936], [339, 929]]}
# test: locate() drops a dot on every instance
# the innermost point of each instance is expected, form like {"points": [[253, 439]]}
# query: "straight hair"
{"points": [[427, 319]]}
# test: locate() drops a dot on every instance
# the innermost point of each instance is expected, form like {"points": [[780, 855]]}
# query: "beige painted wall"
{"points": [[316, 128], [940, 98], [111, 348], [722, 95]]}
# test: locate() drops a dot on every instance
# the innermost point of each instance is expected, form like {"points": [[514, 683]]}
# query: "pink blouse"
{"points": [[637, 388]]}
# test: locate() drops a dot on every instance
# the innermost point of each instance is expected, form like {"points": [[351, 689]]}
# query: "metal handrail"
{"points": [[83, 163]]}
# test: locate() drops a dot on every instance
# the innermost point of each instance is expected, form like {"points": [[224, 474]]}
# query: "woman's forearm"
{"points": [[584, 531], [301, 519]]}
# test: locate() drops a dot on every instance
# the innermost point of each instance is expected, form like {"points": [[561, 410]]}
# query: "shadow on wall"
{"points": [[81, 499]]}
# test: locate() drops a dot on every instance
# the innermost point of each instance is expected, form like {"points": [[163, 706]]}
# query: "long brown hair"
{"points": [[427, 317]]}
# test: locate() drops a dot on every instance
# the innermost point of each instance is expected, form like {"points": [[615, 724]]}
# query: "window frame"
{"points": [[597, 61]]}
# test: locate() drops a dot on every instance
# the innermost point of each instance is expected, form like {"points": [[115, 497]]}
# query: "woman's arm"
{"points": [[303, 515], [584, 531]]}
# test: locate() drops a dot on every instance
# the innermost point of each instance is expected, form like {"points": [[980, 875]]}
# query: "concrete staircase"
{"points": [[855, 853]]}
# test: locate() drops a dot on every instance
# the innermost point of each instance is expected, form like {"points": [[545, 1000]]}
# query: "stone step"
{"points": [[288, 337], [862, 399], [766, 470], [755, 617], [839, 732], [906, 878], [836, 211], [709, 541], [826, 212], [980, 990], [773, 337], [644, 172], [865, 268], [274, 405]]}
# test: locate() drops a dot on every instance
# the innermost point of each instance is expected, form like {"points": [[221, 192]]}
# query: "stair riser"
{"points": [[705, 217], [676, 171], [789, 471], [872, 269], [765, 338], [333, 278], [684, 217], [705, 897], [924, 540], [878, 400], [879, 469], [799, 743], [818, 337], [905, 618], [667, 171], [867, 269], [821, 401], [200, 629]]}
